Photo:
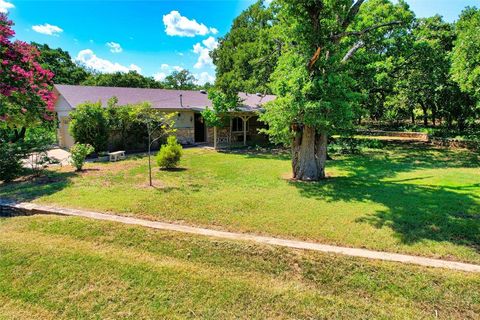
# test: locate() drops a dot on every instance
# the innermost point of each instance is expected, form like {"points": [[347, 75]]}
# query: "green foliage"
{"points": [[79, 153], [89, 124], [11, 155], [222, 103], [61, 64], [248, 53], [466, 54], [32, 148], [131, 79], [353, 145], [169, 155], [180, 80]]}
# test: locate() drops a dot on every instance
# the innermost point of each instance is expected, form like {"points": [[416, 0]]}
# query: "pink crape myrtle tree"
{"points": [[26, 97]]}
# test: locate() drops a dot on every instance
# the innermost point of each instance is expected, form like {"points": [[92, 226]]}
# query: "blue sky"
{"points": [[152, 37]]}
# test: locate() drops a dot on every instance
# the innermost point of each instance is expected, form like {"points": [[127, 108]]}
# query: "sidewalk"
{"points": [[31, 208]]}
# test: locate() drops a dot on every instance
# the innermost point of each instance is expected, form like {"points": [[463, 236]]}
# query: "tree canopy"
{"points": [[466, 54], [61, 64], [131, 79]]}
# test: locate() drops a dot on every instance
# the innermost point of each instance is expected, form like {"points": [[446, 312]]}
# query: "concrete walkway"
{"points": [[30, 208]]}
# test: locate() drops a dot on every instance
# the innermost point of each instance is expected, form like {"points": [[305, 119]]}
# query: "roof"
{"points": [[159, 98]]}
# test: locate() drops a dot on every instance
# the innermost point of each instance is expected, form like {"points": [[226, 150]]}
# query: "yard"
{"points": [[408, 198], [70, 268]]}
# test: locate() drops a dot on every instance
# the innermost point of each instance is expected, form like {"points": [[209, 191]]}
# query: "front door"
{"points": [[199, 128]]}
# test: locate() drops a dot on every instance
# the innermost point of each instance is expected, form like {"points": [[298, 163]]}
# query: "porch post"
{"points": [[215, 137], [244, 120]]}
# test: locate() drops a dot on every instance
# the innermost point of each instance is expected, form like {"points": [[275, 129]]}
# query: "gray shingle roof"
{"points": [[159, 98]]}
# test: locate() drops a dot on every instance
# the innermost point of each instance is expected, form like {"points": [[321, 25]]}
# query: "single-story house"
{"points": [[187, 104]]}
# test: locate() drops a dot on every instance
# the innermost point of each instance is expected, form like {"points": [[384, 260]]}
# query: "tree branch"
{"points": [[352, 13], [367, 30], [314, 59], [352, 51]]}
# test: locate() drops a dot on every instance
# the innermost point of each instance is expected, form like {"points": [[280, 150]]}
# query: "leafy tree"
{"points": [[26, 98], [426, 72], [89, 125], [248, 54], [60, 63], [180, 80], [375, 65], [131, 79], [466, 54], [158, 124], [315, 93]]}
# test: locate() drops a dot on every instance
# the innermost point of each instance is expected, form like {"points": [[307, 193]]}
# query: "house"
{"points": [[190, 127]]}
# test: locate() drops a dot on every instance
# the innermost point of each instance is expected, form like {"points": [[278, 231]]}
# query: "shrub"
{"points": [[11, 155], [89, 125], [79, 153], [169, 155]]}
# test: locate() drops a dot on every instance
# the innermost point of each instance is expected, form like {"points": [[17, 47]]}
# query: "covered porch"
{"points": [[241, 129]]}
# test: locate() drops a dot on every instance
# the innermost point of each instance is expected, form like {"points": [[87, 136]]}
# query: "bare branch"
{"points": [[352, 51], [367, 30]]}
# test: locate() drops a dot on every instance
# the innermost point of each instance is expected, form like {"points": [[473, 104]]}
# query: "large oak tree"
{"points": [[309, 45]]}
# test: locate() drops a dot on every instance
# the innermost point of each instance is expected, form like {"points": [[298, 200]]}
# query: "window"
{"points": [[237, 125]]}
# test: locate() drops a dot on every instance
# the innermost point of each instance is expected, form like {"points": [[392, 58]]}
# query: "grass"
{"points": [[406, 198], [63, 268]]}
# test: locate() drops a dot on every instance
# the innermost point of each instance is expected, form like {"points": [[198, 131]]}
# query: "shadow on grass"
{"points": [[36, 187], [261, 153], [414, 211], [173, 169]]}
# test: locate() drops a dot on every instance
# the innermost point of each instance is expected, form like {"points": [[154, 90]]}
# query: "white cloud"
{"points": [[203, 52], [114, 47], [5, 5], [178, 25], [47, 29], [160, 76], [204, 77], [165, 70], [88, 58]]}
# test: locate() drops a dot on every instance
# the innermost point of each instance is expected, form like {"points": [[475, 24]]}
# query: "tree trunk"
{"points": [[434, 116], [309, 154], [425, 116]]}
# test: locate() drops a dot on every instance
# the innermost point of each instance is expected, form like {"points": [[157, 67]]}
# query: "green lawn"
{"points": [[70, 268], [403, 198]]}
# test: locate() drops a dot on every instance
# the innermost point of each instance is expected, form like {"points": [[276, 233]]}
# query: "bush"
{"points": [[79, 153], [11, 155], [90, 125], [169, 155]]}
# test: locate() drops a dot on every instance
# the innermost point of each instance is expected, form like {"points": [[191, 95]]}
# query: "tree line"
{"points": [[67, 71], [334, 64]]}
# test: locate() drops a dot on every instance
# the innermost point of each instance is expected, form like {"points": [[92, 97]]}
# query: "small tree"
{"points": [[79, 153], [89, 125], [169, 155], [158, 124]]}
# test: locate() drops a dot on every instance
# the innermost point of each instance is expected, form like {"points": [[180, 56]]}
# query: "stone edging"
{"points": [[31, 208]]}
